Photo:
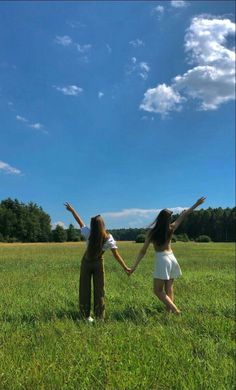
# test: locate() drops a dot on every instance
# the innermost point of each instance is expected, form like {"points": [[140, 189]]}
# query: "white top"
{"points": [[110, 243]]}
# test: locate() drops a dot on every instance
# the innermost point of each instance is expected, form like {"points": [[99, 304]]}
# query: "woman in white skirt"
{"points": [[166, 267]]}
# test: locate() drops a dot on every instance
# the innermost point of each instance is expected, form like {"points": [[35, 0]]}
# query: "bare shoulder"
{"points": [[107, 235], [172, 227]]}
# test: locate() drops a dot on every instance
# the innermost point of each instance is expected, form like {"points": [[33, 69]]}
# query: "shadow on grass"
{"points": [[136, 315], [132, 314]]}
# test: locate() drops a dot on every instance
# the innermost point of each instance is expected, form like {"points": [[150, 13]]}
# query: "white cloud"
{"points": [[136, 42], [59, 223], [70, 90], [36, 126], [178, 3], [159, 8], [100, 94], [211, 81], [135, 217], [21, 119], [159, 11], [83, 48], [206, 41], [65, 40], [161, 100], [75, 24], [143, 75], [9, 169], [141, 68], [147, 118], [144, 66], [208, 84], [130, 213]]}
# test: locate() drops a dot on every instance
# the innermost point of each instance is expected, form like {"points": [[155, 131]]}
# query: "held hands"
{"points": [[129, 271], [68, 207]]}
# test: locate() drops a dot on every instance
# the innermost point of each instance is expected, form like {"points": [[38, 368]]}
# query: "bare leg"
{"points": [[160, 293], [169, 288]]}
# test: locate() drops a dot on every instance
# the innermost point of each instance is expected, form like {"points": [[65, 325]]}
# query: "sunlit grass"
{"points": [[44, 344]]}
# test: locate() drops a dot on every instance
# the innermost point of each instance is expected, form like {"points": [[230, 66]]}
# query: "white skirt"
{"points": [[166, 266]]}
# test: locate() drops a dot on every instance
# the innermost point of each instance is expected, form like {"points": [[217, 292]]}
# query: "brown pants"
{"points": [[88, 270]]}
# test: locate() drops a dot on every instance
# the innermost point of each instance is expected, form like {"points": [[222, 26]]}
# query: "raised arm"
{"points": [[75, 215], [141, 254], [118, 257], [185, 213]]}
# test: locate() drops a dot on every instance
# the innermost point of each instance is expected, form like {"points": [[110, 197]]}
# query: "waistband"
{"points": [[164, 252], [92, 259]]}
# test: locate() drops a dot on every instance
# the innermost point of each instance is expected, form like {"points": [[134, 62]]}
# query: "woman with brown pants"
{"points": [[92, 264]]}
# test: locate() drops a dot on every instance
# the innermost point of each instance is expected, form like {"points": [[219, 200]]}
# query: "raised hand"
{"points": [[68, 206], [200, 201]]}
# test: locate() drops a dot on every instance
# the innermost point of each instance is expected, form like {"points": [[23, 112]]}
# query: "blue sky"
{"points": [[121, 108]]}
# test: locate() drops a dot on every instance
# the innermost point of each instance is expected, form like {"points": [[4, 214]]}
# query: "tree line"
{"points": [[217, 224], [21, 222]]}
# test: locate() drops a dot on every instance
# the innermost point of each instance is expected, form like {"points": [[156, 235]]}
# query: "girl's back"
{"points": [[161, 232], [166, 246]]}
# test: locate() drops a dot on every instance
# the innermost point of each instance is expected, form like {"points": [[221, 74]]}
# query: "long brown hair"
{"points": [[98, 235], [160, 229]]}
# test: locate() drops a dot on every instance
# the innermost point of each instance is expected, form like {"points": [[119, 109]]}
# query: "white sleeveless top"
{"points": [[110, 243]]}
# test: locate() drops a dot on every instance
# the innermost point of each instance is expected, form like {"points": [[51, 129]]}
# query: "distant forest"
{"points": [[21, 222]]}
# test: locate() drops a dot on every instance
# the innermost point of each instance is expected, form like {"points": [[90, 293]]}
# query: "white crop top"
{"points": [[110, 243]]}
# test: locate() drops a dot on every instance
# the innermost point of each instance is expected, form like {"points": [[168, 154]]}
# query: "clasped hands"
{"points": [[129, 271]]}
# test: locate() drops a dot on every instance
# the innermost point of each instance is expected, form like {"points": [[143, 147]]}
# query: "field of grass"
{"points": [[44, 345]]}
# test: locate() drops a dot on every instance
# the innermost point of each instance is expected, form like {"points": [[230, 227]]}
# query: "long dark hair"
{"points": [[98, 235], [160, 229]]}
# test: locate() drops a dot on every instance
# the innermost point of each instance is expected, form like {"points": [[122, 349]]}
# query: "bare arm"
{"points": [[75, 215], [120, 260], [141, 254], [185, 213]]}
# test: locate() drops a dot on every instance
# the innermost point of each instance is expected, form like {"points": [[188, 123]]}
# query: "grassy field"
{"points": [[44, 345]]}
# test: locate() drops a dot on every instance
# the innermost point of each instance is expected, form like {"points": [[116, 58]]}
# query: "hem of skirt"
{"points": [[165, 251], [173, 277]]}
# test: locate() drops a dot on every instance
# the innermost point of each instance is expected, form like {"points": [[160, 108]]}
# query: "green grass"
{"points": [[44, 345]]}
